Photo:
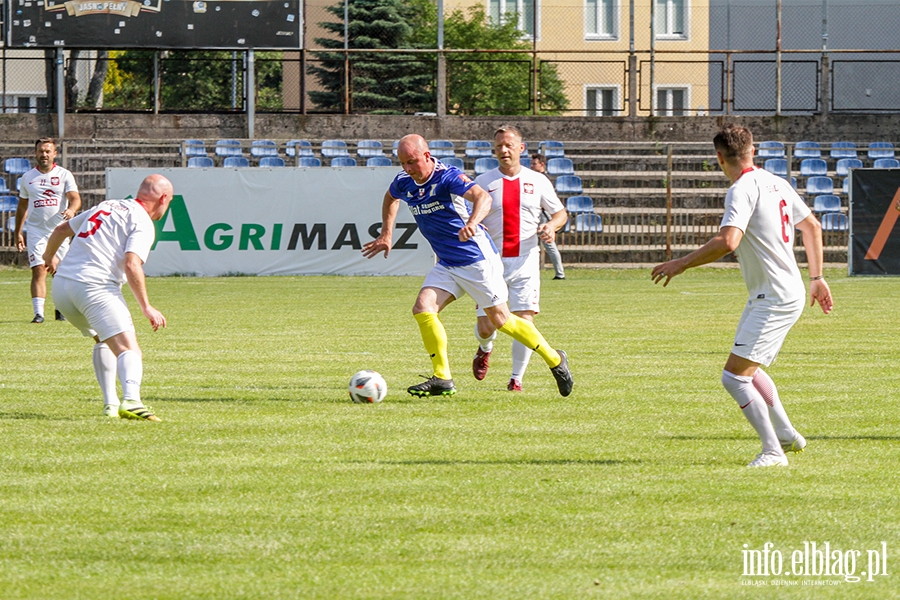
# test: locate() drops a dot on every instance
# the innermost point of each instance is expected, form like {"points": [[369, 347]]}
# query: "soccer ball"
{"points": [[367, 387]]}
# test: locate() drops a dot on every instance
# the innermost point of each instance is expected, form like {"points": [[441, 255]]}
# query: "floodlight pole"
{"points": [[441, 64], [251, 94], [778, 59], [60, 93]]}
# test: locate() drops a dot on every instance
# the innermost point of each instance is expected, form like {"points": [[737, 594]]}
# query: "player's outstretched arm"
{"points": [[726, 241], [481, 206], [59, 235], [812, 243], [383, 242], [134, 273]]}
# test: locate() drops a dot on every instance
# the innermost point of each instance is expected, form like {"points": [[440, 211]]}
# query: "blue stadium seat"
{"points": [[394, 147], [525, 160], [793, 182], [579, 204], [560, 166], [881, 150], [807, 150], [271, 161], [17, 166], [845, 164], [569, 184], [236, 161], [776, 166], [260, 148], [843, 150], [298, 148], [309, 161], [845, 185], [819, 185], [478, 149], [441, 148], [588, 222], [810, 167], [228, 148], [886, 163], [834, 221], [483, 165], [9, 203], [826, 203], [454, 161], [3, 187], [551, 149], [369, 148], [379, 161], [343, 161], [200, 162], [333, 148], [770, 150], [194, 148]]}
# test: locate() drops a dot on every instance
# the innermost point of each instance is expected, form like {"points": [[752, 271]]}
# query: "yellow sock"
{"points": [[435, 337], [524, 331]]}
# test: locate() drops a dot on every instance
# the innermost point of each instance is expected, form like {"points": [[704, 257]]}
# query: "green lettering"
{"points": [[209, 238], [250, 234], [182, 228], [276, 236]]}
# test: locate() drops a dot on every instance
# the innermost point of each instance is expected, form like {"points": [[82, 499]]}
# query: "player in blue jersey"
{"points": [[467, 261]]}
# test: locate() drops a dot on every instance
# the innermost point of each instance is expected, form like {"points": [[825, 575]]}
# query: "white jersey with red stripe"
{"points": [[46, 193], [102, 237], [516, 205], [766, 208]]}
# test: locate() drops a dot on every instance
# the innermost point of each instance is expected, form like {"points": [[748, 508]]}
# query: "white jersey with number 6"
{"points": [[102, 237], [766, 208]]}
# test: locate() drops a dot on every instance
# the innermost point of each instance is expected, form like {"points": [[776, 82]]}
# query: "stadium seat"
{"points": [[228, 148], [551, 149], [588, 222], [834, 221], [478, 149], [845, 185], [776, 166], [807, 150], [236, 161], [579, 204], [483, 165], [379, 161], [886, 163], [770, 150], [810, 167], [17, 166], [560, 166], [309, 161], [845, 164], [271, 161], [3, 187], [194, 148], [843, 150], [454, 161], [9, 203], [298, 148], [369, 148], [343, 161], [525, 161], [394, 147], [793, 182], [441, 148], [881, 150], [260, 148], [569, 184], [826, 203], [333, 148], [819, 185], [200, 162]]}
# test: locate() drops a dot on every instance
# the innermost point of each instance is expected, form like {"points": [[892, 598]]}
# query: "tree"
{"points": [[379, 82]]}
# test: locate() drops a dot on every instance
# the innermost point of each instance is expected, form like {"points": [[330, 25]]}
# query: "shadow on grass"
{"points": [[516, 461], [31, 417], [854, 438]]}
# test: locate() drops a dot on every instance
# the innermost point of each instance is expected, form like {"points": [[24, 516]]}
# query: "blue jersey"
{"points": [[440, 212]]}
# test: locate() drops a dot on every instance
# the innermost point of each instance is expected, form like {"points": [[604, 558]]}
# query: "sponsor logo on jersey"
{"points": [[48, 199], [465, 178], [528, 188]]}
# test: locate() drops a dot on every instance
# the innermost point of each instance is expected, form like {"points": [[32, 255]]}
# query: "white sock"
{"points": [[487, 344], [38, 304], [521, 354], [105, 370], [131, 371], [766, 388], [754, 408]]}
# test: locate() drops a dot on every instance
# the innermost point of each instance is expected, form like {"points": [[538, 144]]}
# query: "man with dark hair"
{"points": [[559, 271], [762, 212]]}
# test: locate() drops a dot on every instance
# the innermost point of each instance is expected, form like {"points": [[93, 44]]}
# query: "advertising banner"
{"points": [[278, 221], [874, 210]]}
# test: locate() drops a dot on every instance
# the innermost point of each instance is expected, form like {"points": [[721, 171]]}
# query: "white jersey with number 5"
{"points": [[766, 208], [102, 237]]}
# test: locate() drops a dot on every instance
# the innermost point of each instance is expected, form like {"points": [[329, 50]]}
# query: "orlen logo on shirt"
{"points": [[48, 199]]}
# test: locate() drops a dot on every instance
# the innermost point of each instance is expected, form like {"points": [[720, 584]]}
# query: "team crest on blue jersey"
{"points": [[421, 192]]}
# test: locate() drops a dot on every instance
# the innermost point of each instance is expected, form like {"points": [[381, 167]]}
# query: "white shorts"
{"points": [[523, 278], [96, 310], [763, 327], [36, 242], [483, 281]]}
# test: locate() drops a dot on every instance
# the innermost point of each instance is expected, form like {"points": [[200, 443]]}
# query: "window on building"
{"points": [[671, 102], [670, 18], [520, 11], [602, 101], [600, 19], [24, 104]]}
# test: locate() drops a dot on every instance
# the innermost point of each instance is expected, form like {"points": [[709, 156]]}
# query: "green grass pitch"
{"points": [[265, 481]]}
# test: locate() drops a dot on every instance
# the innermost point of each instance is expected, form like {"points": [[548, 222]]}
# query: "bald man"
{"points": [[109, 246], [467, 261]]}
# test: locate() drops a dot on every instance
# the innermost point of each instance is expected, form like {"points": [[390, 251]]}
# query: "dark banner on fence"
{"points": [[874, 212], [231, 24]]}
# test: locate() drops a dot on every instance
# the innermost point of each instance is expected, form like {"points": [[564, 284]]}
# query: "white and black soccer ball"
{"points": [[367, 387]]}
